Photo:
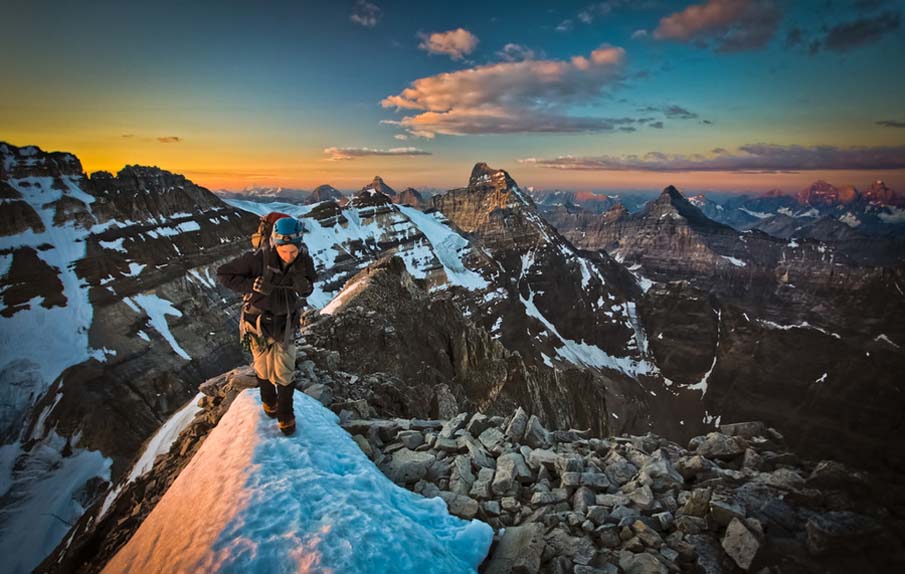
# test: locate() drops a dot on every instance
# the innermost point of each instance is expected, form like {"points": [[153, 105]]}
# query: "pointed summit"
{"points": [[378, 185], [673, 205], [483, 176]]}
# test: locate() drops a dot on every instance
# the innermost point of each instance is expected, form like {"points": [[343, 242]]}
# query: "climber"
{"points": [[274, 279]]}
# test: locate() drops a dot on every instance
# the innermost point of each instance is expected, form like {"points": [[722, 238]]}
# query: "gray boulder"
{"points": [[519, 551], [740, 544], [407, 466], [516, 429]]}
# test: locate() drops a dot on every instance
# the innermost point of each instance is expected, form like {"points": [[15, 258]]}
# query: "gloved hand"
{"points": [[301, 285], [261, 287]]}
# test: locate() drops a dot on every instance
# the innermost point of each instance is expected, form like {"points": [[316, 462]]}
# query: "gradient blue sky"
{"points": [[239, 93]]}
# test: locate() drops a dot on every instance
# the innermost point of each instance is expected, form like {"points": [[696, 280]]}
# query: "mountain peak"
{"points": [[671, 195], [378, 185], [484, 175]]}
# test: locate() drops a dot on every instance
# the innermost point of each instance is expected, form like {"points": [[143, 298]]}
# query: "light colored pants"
{"points": [[275, 362]]}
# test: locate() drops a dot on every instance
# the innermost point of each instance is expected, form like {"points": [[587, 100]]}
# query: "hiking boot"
{"points": [[284, 402], [268, 397], [287, 427]]}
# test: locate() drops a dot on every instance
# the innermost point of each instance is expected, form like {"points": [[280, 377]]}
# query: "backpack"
{"points": [[265, 227]]}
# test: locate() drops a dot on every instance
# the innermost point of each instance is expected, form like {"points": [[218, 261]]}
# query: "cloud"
{"points": [[591, 12], [169, 139], [730, 25], [127, 136], [891, 123], [456, 43], [848, 35], [511, 97], [639, 34], [515, 53], [656, 125], [750, 158], [346, 153], [679, 113], [672, 112], [565, 26], [365, 13]]}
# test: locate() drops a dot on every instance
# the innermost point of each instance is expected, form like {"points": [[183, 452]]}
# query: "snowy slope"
{"points": [[60, 332], [42, 498], [434, 243], [252, 500]]}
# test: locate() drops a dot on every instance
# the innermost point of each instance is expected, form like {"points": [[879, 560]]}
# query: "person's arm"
{"points": [[238, 274], [304, 276], [310, 272]]}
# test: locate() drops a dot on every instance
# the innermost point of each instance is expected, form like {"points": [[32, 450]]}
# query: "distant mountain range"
{"points": [[325, 192]]}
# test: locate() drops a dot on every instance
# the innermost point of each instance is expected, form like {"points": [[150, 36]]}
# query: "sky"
{"points": [[728, 95]]}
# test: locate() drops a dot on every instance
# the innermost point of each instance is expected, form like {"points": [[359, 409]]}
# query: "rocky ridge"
{"points": [[566, 500]]}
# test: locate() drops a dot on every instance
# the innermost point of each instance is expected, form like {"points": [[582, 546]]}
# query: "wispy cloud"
{"points": [[456, 43], [671, 111], [365, 13], [751, 158], [727, 25], [891, 123], [169, 139], [347, 153], [511, 97], [855, 33], [515, 53]]}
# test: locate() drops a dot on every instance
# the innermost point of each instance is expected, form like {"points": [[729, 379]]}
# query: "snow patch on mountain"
{"points": [[702, 384], [261, 503], [157, 309], [42, 496], [165, 436], [448, 246], [801, 325]]}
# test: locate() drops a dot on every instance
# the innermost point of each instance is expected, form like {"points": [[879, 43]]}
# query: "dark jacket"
{"points": [[289, 285]]}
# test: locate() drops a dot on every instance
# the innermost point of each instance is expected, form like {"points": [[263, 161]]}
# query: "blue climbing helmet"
{"points": [[287, 230]]}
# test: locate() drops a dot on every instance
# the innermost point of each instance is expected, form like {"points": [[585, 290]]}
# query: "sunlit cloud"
{"points": [[750, 158], [729, 25], [511, 97], [456, 43], [348, 153]]}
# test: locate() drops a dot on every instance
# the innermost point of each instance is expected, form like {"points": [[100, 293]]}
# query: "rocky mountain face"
{"points": [[410, 196], [110, 317], [377, 184], [323, 193], [560, 499], [719, 302], [555, 305], [377, 325]]}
